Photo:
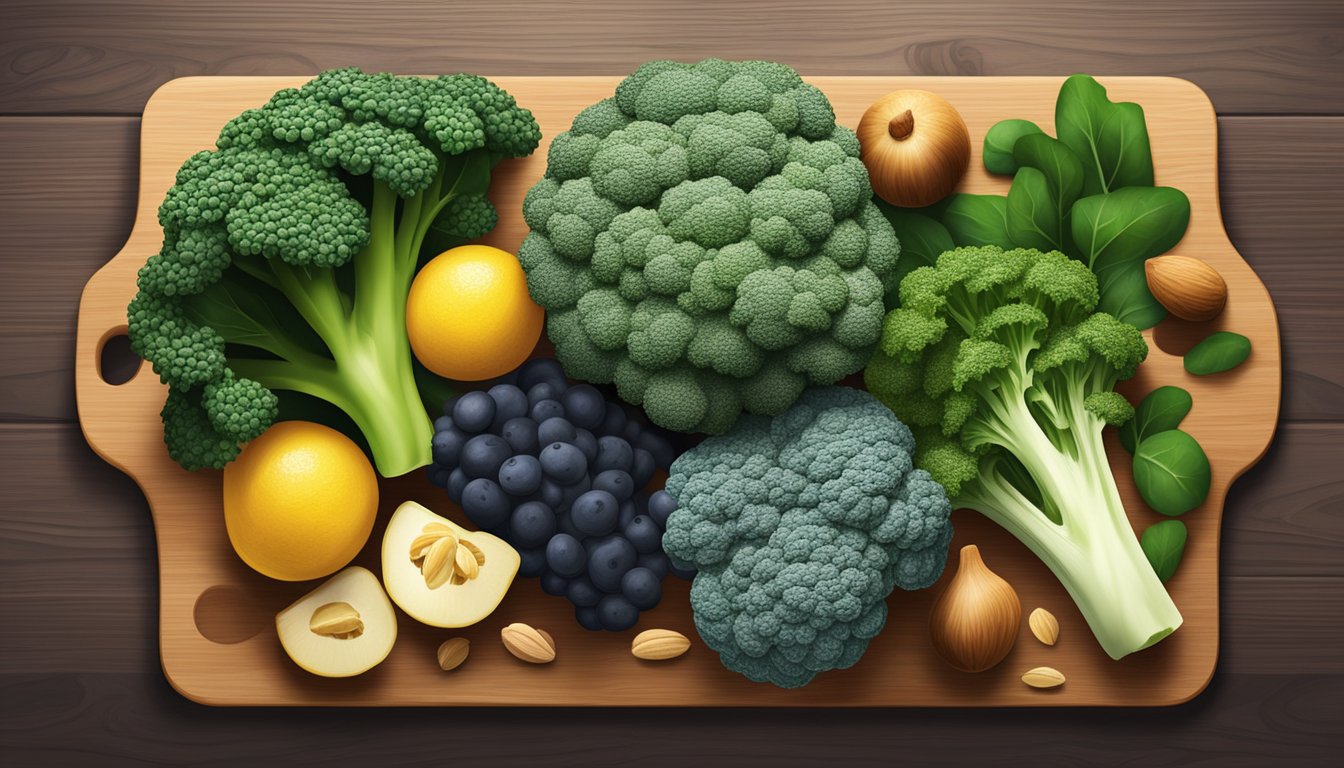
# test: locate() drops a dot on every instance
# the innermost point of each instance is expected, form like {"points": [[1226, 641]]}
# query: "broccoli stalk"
{"points": [[1008, 376], [289, 253]]}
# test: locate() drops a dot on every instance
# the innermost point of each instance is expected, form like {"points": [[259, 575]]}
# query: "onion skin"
{"points": [[975, 621], [916, 147]]}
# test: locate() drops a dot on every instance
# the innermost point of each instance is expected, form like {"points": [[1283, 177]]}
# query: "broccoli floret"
{"points": [[799, 527], [289, 250], [706, 240], [1007, 375]]}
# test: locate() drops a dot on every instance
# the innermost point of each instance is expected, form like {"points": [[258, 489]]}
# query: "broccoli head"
{"points": [[289, 249], [799, 527], [706, 239]]}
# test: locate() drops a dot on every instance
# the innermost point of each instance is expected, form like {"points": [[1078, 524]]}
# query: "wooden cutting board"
{"points": [[217, 636]]}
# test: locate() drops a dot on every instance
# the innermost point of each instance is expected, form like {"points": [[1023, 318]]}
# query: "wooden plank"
{"points": [[1277, 178], [1251, 56], [133, 719]]}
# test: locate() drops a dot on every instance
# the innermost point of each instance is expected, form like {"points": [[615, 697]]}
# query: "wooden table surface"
{"points": [[79, 675]]}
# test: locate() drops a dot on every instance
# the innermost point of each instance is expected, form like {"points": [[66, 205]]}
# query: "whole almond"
{"points": [[659, 644], [1044, 626], [528, 644], [1189, 288], [1043, 677], [453, 652], [338, 620]]}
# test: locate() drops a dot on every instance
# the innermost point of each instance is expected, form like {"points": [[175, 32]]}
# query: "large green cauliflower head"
{"points": [[799, 527], [707, 240]]}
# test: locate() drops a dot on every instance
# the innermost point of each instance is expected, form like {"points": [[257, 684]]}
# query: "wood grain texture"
{"points": [[1276, 177], [1249, 55], [198, 568]]}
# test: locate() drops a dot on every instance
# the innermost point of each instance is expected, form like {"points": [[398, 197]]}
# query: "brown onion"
{"points": [[916, 147]]}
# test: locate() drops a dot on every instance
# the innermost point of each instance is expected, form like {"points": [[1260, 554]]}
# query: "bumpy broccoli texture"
{"points": [[706, 239], [289, 250], [999, 362], [800, 526]]}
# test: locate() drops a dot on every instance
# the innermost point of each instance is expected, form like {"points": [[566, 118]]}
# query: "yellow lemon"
{"points": [[468, 315], [299, 501]]}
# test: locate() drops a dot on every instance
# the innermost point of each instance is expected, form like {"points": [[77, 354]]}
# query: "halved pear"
{"points": [[426, 585], [343, 628]]}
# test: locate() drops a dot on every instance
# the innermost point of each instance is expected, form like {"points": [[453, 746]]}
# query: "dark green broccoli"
{"points": [[799, 527], [289, 250], [707, 240]]}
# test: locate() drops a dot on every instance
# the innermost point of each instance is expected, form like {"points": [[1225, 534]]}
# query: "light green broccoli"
{"points": [[289, 250], [799, 527], [706, 239], [998, 362]]}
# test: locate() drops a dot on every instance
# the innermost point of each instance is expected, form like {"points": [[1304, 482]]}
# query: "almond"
{"points": [[659, 644], [1189, 288], [528, 644], [1044, 626], [337, 620], [453, 652], [1043, 677]]}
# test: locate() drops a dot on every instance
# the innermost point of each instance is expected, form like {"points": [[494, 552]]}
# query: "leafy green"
{"points": [[1221, 351], [976, 220], [1033, 218], [1000, 141], [923, 237], [1164, 544], [1171, 472], [1164, 408], [1110, 138]]}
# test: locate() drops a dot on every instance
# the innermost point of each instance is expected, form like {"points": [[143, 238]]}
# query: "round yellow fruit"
{"points": [[299, 501], [469, 317]]}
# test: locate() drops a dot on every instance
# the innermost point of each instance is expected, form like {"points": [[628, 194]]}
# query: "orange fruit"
{"points": [[469, 317], [299, 501]]}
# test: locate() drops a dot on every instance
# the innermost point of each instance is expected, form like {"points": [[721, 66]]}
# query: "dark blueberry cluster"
{"points": [[560, 473]]}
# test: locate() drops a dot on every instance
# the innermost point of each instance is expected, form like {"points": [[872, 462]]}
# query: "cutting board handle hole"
{"points": [[1176, 337], [226, 615], [117, 364]]}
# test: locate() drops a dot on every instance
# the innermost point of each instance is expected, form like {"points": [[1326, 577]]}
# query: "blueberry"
{"points": [[457, 482], [450, 404], [553, 583], [565, 555], [631, 431], [614, 421], [573, 492], [616, 613], [442, 423], [661, 504], [564, 524], [485, 503], [542, 391], [556, 429], [640, 586], [615, 482], [656, 562], [546, 409], [563, 463], [613, 453], [535, 371], [531, 524], [609, 561], [644, 533], [586, 443], [551, 493], [629, 511], [643, 468], [520, 475], [595, 513], [582, 593], [446, 446], [532, 563], [658, 446], [474, 411], [588, 619], [439, 475], [521, 435], [510, 403], [483, 454], [681, 571], [584, 405]]}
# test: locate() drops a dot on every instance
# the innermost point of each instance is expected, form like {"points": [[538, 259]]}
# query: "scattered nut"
{"points": [[1043, 677], [453, 652], [337, 620], [1044, 626], [659, 644], [528, 644], [1189, 288]]}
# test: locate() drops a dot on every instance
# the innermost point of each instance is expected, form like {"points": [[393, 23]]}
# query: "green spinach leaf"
{"points": [[1221, 351], [1000, 142], [1164, 408], [1171, 472], [977, 220], [922, 239], [1164, 544], [1110, 138], [1032, 216]]}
